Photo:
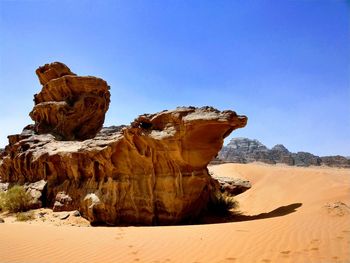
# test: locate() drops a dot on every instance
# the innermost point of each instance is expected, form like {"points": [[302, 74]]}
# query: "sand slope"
{"points": [[290, 215]]}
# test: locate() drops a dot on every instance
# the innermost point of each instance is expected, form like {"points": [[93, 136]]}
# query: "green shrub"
{"points": [[25, 216], [16, 199]]}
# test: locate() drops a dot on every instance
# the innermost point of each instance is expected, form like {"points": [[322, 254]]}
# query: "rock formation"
{"points": [[70, 107], [151, 172], [336, 161], [231, 186], [244, 150]]}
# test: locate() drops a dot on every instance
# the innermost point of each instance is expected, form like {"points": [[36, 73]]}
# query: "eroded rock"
{"points": [[4, 187], [152, 172], [63, 202], [35, 190], [232, 186], [70, 107]]}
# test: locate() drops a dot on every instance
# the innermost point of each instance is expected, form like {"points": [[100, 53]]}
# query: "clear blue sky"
{"points": [[284, 64]]}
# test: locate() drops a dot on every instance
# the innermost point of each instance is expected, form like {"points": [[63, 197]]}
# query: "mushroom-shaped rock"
{"points": [[70, 107], [152, 172]]}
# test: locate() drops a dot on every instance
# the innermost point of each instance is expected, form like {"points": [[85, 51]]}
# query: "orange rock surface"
{"points": [[152, 172], [69, 106]]}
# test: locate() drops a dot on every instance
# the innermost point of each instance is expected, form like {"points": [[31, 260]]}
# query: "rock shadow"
{"points": [[236, 216]]}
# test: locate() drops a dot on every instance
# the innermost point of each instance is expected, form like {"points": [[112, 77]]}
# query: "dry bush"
{"points": [[221, 204], [2, 197], [25, 216], [16, 199]]}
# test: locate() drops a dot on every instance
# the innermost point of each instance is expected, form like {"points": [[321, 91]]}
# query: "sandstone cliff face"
{"points": [[244, 150], [152, 172], [70, 107]]}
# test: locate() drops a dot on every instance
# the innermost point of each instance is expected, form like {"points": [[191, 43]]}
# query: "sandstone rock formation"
{"points": [[244, 150], [232, 186], [70, 107], [152, 172]]}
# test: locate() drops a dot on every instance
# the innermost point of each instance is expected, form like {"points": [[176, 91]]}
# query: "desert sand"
{"points": [[290, 214]]}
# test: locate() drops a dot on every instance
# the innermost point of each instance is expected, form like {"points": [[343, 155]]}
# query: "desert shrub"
{"points": [[221, 204], [2, 197], [16, 199], [25, 216]]}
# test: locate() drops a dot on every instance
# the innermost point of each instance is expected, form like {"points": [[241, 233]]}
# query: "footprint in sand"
{"points": [[314, 248], [340, 237], [266, 260], [285, 253], [231, 259], [119, 236]]}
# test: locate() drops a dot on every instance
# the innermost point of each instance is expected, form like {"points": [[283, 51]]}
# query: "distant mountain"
{"points": [[244, 150]]}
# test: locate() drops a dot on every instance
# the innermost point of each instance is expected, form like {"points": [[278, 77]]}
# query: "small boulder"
{"points": [[76, 213], [35, 190], [232, 186], [64, 216], [4, 187], [63, 202]]}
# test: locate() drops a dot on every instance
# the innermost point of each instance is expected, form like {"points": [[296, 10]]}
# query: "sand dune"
{"points": [[289, 215]]}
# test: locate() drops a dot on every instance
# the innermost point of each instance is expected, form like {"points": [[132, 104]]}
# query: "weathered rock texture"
{"points": [[244, 150], [63, 202], [231, 186], [152, 172], [336, 161], [37, 192], [70, 107]]}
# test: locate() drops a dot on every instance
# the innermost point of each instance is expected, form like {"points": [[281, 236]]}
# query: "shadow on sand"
{"points": [[238, 217]]}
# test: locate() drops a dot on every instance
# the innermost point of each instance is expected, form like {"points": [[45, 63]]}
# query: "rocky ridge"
{"points": [[244, 150]]}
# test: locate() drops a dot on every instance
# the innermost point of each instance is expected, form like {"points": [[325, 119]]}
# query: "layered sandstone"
{"points": [[70, 107], [151, 172]]}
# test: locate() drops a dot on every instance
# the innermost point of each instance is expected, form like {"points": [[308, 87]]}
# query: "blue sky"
{"points": [[284, 64]]}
